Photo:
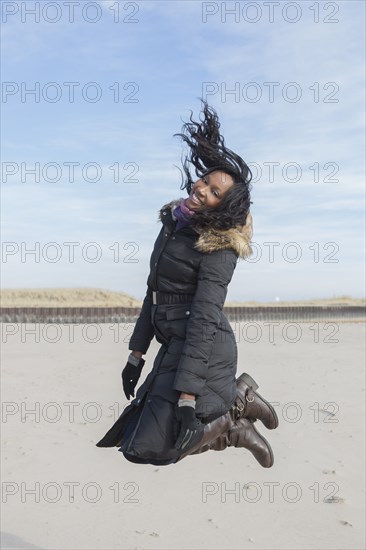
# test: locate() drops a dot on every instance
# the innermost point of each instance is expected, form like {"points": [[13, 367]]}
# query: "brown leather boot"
{"points": [[244, 434], [241, 433], [212, 431], [249, 404], [235, 428]]}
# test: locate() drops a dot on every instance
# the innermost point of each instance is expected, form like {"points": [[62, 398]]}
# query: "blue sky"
{"points": [[162, 57]]}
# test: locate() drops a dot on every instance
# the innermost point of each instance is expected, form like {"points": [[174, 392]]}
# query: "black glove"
{"points": [[130, 375], [191, 428]]}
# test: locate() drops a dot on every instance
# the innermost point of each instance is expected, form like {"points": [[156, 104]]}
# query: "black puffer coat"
{"points": [[198, 352]]}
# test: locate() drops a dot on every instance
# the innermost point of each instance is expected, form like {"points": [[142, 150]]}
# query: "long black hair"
{"points": [[207, 152]]}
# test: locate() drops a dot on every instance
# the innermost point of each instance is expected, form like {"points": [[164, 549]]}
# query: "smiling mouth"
{"points": [[195, 199]]}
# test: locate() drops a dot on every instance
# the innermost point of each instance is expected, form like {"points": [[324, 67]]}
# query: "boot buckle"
{"points": [[238, 409], [248, 399]]}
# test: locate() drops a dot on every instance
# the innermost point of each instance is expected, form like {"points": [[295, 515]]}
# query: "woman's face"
{"points": [[209, 191]]}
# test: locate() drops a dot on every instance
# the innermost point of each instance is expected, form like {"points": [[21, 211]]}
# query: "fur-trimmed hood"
{"points": [[237, 238]]}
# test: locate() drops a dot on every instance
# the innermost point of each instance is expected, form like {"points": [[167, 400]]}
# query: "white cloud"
{"points": [[170, 53]]}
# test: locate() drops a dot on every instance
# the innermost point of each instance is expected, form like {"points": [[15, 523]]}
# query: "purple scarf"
{"points": [[183, 214]]}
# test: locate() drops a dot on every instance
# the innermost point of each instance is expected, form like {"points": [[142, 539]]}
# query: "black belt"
{"points": [[160, 298]]}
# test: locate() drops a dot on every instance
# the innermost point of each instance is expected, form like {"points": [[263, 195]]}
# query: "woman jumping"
{"points": [[191, 401]]}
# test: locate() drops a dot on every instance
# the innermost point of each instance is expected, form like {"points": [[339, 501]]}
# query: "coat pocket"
{"points": [[178, 312], [175, 321]]}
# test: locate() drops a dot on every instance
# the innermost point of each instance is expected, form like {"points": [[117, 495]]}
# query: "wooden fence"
{"points": [[130, 314]]}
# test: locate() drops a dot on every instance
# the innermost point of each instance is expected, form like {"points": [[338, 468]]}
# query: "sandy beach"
{"points": [[61, 391]]}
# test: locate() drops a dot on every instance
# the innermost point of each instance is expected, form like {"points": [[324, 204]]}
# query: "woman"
{"points": [[190, 401]]}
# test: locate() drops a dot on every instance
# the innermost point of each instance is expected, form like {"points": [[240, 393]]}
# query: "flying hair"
{"points": [[207, 152]]}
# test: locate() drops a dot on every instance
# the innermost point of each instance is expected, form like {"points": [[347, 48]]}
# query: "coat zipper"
{"points": [[138, 422], [166, 232]]}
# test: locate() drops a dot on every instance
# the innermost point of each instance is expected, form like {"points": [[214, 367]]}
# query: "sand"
{"points": [[91, 498], [97, 297]]}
